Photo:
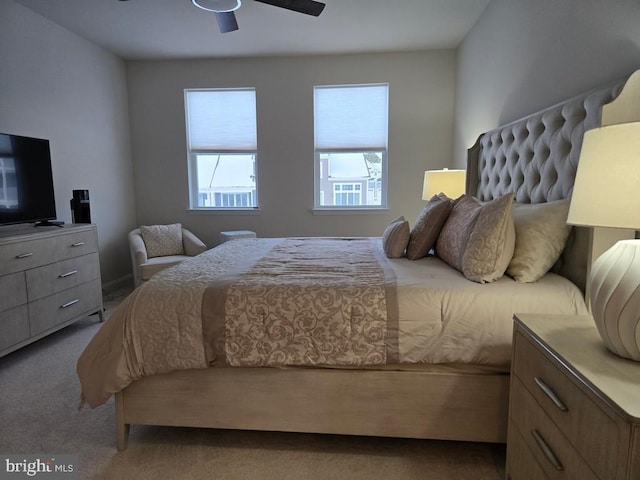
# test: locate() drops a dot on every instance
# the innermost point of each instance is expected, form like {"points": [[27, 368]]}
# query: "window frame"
{"points": [[320, 175], [192, 158]]}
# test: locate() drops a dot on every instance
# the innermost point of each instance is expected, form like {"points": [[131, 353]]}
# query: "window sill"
{"points": [[350, 211], [224, 211]]}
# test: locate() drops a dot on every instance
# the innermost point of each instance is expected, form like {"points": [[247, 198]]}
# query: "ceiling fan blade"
{"points": [[308, 7], [226, 21]]}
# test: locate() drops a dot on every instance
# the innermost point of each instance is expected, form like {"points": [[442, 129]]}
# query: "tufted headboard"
{"points": [[536, 158]]}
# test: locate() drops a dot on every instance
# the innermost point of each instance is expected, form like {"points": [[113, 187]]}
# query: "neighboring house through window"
{"points": [[350, 124], [222, 148]]}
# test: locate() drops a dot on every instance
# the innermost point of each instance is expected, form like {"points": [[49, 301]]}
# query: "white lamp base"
{"points": [[615, 298]]}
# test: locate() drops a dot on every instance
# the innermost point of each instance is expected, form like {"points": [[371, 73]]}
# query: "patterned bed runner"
{"points": [[308, 302]]}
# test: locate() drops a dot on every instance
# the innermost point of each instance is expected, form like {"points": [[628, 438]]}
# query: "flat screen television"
{"points": [[26, 181]]}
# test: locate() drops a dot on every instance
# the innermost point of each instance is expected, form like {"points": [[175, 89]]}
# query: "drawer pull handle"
{"points": [[551, 394], [68, 274], [78, 244], [546, 449], [68, 304], [24, 255]]}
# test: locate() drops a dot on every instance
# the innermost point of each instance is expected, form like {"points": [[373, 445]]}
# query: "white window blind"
{"points": [[351, 117], [221, 120]]}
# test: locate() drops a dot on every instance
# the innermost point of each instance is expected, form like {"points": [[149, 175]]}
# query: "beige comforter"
{"points": [[214, 310]]}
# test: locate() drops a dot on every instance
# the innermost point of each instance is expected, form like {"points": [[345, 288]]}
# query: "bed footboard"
{"points": [[414, 404]]}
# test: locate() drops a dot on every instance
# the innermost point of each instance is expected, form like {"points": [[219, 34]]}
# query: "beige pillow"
{"points": [[427, 227], [395, 238], [162, 240], [478, 239], [541, 235], [492, 241]]}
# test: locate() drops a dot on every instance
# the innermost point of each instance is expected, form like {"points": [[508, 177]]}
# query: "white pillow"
{"points": [[162, 240], [541, 234]]}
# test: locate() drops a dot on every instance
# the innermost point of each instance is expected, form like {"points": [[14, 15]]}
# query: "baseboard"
{"points": [[117, 285]]}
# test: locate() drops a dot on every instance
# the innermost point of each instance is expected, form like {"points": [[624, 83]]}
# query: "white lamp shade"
{"points": [[606, 192], [449, 182]]}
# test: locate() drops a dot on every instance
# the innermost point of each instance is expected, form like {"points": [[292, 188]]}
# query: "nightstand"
{"points": [[574, 408]]}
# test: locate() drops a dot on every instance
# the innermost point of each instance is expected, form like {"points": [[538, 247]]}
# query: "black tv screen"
{"points": [[26, 180]]}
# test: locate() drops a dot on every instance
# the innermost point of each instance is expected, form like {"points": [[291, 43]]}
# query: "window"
{"points": [[347, 194], [351, 125], [222, 144]]}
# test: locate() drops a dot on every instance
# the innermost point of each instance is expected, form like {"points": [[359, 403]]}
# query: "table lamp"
{"points": [[449, 182], [606, 194]]}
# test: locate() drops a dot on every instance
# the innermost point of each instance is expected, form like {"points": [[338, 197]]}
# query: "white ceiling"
{"points": [[155, 29]]}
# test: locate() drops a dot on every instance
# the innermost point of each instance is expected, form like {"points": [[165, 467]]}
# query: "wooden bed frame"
{"points": [[410, 404]]}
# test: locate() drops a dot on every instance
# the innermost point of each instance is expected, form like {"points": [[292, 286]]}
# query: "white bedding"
{"points": [[443, 318]]}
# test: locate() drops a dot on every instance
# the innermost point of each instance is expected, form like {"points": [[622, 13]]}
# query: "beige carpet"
{"points": [[39, 414]]}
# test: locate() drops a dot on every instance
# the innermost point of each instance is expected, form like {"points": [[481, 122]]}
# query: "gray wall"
{"points": [[525, 55], [421, 99], [58, 86]]}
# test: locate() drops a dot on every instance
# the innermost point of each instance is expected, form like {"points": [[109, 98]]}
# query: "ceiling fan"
{"points": [[225, 9]]}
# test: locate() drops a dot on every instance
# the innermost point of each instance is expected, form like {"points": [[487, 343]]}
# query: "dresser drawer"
{"points": [[549, 446], [14, 325], [596, 439], [15, 257], [64, 306], [54, 278], [74, 244], [14, 291], [520, 460]]}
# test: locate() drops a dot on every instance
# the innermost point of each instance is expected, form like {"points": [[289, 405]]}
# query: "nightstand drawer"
{"points": [[521, 462], [548, 445], [635, 454], [596, 439]]}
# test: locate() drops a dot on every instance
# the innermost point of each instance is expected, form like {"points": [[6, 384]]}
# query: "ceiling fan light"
{"points": [[218, 6]]}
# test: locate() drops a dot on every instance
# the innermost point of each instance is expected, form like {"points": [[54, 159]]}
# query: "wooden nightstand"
{"points": [[574, 410]]}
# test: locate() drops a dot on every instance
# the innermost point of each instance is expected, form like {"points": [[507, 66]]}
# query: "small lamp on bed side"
{"points": [[606, 194], [449, 182]]}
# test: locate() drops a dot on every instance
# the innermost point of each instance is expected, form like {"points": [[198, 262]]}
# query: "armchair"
{"points": [[171, 244]]}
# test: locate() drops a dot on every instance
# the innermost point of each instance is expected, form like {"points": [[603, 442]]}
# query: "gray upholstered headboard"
{"points": [[536, 158]]}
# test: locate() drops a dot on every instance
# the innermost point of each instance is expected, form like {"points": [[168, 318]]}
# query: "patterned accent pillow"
{"points": [[162, 240], [478, 239], [428, 226], [456, 231], [541, 235], [395, 238], [491, 244]]}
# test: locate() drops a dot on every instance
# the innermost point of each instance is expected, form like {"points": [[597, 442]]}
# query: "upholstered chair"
{"points": [[156, 247]]}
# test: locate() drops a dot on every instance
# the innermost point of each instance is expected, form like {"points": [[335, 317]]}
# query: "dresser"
{"points": [[574, 409], [49, 278]]}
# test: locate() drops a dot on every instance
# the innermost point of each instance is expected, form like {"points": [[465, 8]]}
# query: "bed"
{"points": [[410, 360]]}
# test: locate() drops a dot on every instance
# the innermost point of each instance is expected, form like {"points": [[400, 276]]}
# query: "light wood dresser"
{"points": [[574, 409], [49, 278]]}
